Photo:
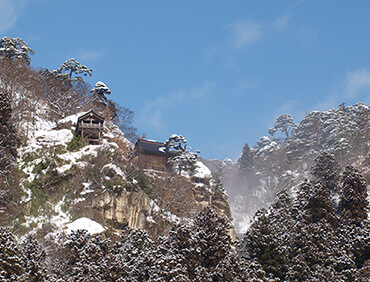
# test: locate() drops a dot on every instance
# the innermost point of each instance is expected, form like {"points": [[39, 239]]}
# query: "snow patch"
{"points": [[115, 168], [85, 223], [202, 171], [61, 218]]}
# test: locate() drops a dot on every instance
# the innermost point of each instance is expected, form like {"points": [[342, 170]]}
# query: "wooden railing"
{"points": [[90, 125]]}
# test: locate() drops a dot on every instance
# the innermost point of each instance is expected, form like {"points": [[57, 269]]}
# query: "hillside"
{"points": [[51, 175], [80, 202], [282, 161], [64, 178]]}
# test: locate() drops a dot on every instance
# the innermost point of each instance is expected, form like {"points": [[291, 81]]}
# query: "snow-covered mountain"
{"points": [[64, 178], [275, 163]]}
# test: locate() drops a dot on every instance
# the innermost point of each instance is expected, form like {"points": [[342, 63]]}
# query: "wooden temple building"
{"points": [[90, 126], [150, 155]]}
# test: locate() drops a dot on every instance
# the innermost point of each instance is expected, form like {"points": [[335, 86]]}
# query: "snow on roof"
{"points": [[72, 118], [151, 146], [85, 223], [201, 170]]}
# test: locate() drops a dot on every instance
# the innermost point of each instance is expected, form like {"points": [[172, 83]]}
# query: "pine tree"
{"points": [[34, 260], [285, 124], [213, 233], [245, 161], [100, 92], [15, 48], [177, 252], [72, 67], [326, 170], [131, 257], [353, 199], [268, 233], [353, 208], [8, 140], [320, 205], [181, 157], [11, 260]]}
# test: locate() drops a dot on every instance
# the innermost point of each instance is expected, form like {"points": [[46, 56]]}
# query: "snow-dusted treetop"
{"points": [[15, 48], [284, 123], [176, 143], [228, 162], [182, 157], [71, 67], [100, 90]]}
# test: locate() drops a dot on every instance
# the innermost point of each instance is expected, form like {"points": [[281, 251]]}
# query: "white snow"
{"points": [[228, 162], [85, 223], [86, 189], [58, 220], [54, 137], [244, 224], [61, 218], [154, 207], [150, 219], [64, 168], [202, 171], [115, 168]]}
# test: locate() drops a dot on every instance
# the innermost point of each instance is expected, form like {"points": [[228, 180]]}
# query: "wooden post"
{"points": [[82, 129]]}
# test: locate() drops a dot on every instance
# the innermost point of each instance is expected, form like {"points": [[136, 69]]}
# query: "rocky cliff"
{"points": [[64, 178]]}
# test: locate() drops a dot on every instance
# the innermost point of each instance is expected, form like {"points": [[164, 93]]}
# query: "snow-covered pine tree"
{"points": [[182, 158], [353, 202], [353, 209], [314, 256], [34, 260], [100, 92], [15, 49], [131, 257], [173, 259], [268, 233], [245, 162], [8, 139], [326, 170], [84, 257], [71, 67], [176, 143], [212, 232], [67, 254], [285, 124], [11, 260], [106, 107]]}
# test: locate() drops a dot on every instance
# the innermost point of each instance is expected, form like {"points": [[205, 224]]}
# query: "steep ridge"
{"points": [[281, 162], [64, 178]]}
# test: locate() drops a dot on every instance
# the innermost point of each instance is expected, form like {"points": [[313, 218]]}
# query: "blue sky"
{"points": [[217, 72]]}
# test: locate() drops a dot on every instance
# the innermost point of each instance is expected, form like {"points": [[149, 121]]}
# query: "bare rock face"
{"points": [[120, 210], [178, 199]]}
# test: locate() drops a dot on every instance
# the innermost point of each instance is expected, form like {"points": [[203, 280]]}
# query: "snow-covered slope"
{"points": [[46, 161], [64, 178], [282, 163]]}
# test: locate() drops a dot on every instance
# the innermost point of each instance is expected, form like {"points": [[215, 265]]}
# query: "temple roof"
{"points": [[150, 146]]}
